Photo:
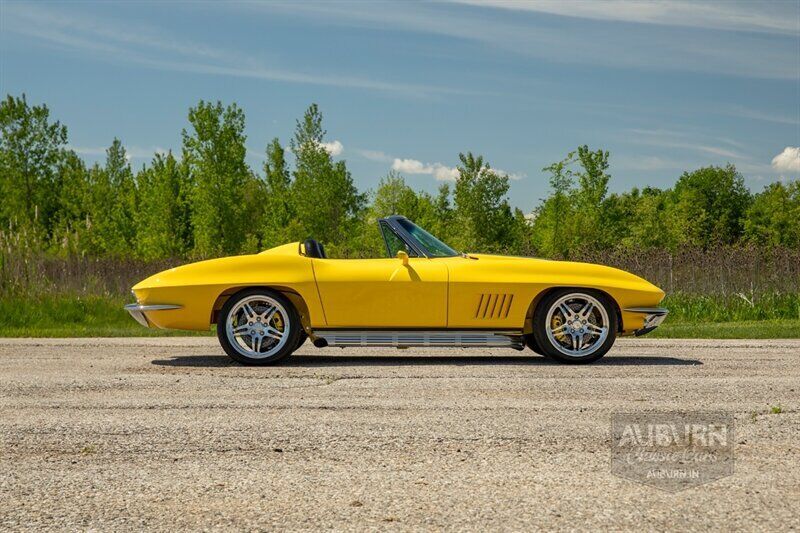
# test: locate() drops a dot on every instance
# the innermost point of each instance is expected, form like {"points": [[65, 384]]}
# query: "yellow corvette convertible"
{"points": [[423, 294]]}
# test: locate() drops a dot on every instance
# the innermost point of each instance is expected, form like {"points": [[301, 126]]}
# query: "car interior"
{"points": [[314, 249]]}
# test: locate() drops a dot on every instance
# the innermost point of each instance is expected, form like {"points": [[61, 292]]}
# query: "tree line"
{"points": [[207, 201]]}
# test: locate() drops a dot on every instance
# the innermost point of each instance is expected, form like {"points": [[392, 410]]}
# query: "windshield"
{"points": [[435, 247], [394, 243]]}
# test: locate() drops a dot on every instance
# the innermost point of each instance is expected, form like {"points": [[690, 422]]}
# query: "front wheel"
{"points": [[575, 326], [258, 327]]}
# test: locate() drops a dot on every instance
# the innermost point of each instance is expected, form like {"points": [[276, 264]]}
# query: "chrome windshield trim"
{"points": [[403, 235]]}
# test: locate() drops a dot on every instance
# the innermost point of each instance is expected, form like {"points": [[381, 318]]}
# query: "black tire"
{"points": [[530, 342], [558, 351], [292, 326], [301, 338]]}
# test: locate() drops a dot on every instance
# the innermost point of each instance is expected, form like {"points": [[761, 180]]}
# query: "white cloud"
{"points": [[788, 160], [575, 42], [510, 175], [88, 150], [754, 16], [437, 170], [685, 141], [131, 152], [375, 155], [121, 42], [411, 166], [755, 114], [649, 163], [333, 148]]}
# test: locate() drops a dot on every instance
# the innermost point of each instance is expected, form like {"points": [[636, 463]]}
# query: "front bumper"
{"points": [[137, 311], [653, 317]]}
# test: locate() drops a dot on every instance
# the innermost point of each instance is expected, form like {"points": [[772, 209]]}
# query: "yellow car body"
{"points": [[473, 291], [423, 293]]}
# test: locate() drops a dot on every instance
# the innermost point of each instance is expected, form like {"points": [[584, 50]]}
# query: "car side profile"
{"points": [[423, 293]]}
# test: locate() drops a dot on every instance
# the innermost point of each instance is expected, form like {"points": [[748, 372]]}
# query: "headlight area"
{"points": [[653, 317]]}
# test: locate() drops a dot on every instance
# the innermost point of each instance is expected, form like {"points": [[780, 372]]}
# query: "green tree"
{"points": [[710, 205], [773, 219], [214, 153], [31, 150], [281, 225], [392, 197], [443, 213], [578, 214], [255, 202], [162, 218], [591, 226], [324, 199], [74, 202], [639, 218], [483, 216], [112, 202], [552, 233], [395, 197]]}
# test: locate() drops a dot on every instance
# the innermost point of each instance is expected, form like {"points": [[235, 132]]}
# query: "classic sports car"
{"points": [[423, 294]]}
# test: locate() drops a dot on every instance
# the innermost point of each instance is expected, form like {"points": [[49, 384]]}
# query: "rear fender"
{"points": [[293, 296]]}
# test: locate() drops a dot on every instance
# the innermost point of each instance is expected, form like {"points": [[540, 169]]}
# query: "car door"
{"points": [[382, 293]]}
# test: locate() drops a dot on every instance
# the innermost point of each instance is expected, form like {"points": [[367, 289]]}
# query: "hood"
{"points": [[583, 273]]}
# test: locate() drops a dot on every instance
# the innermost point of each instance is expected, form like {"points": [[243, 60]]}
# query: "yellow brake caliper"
{"points": [[277, 322], [556, 323]]}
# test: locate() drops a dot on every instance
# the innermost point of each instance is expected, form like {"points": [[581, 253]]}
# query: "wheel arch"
{"points": [[528, 326], [293, 296]]}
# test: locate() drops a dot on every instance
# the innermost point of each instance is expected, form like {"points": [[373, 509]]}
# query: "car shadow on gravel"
{"points": [[408, 360]]}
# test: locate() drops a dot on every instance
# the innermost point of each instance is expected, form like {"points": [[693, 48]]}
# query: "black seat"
{"points": [[314, 249]]}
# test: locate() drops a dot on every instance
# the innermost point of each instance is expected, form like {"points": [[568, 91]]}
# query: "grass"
{"points": [[736, 307], [768, 316], [746, 329], [73, 316]]}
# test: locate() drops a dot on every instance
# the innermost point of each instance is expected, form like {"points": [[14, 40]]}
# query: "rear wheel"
{"points": [[258, 327], [301, 338], [575, 325], [530, 342]]}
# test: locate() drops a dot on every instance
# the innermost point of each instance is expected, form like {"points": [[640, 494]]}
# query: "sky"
{"points": [[665, 87]]}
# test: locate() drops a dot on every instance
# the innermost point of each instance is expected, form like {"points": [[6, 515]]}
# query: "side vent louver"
{"points": [[494, 306]]}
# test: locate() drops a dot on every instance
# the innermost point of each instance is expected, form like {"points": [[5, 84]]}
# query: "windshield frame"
{"points": [[423, 251]]}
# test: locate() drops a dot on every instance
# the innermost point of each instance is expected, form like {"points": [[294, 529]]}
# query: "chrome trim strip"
{"points": [[154, 307], [422, 338], [137, 311], [654, 317], [648, 310]]}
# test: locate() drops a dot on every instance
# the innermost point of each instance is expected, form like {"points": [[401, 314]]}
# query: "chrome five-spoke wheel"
{"points": [[575, 326], [258, 327]]}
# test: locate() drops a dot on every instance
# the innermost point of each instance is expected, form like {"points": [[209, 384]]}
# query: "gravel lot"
{"points": [[168, 434]]}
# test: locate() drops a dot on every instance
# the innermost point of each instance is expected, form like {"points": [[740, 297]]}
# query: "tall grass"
{"points": [[27, 271], [719, 285], [746, 271], [69, 315], [685, 307]]}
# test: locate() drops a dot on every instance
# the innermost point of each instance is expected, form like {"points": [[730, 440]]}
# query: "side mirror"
{"points": [[402, 256]]}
